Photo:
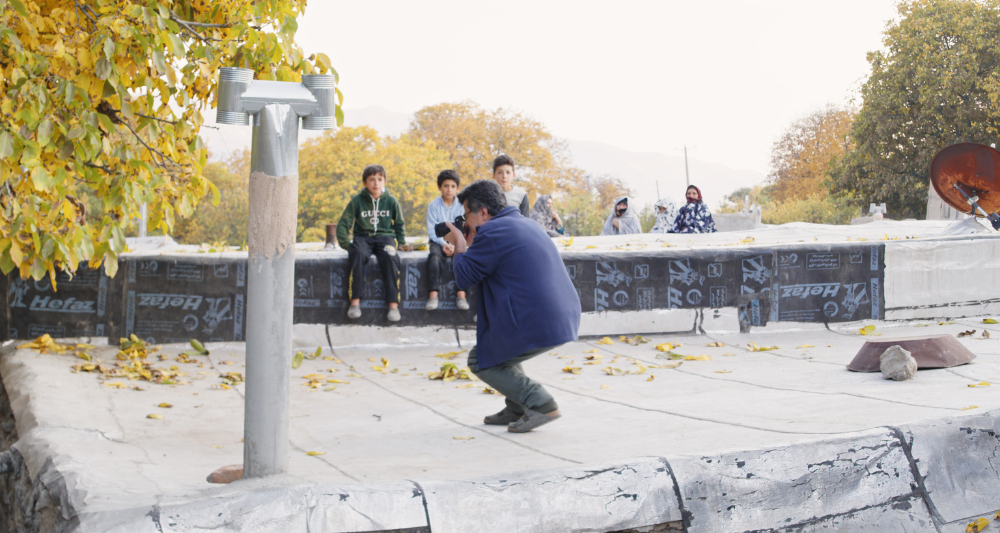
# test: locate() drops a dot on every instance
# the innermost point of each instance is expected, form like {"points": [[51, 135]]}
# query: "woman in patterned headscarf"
{"points": [[694, 217], [544, 215], [623, 220], [666, 213]]}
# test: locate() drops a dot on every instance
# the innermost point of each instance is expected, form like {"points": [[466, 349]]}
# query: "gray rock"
{"points": [[897, 363]]}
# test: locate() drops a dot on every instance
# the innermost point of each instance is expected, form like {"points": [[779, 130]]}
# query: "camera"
{"points": [[442, 229]]}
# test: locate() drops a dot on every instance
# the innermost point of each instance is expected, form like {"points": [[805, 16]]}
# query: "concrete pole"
{"points": [[686, 176], [270, 289]]}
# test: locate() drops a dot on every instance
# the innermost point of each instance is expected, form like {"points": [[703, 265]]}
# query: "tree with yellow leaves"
{"points": [[105, 99], [801, 159]]}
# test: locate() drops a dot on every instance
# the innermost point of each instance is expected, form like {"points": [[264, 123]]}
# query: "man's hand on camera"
{"points": [[456, 239]]}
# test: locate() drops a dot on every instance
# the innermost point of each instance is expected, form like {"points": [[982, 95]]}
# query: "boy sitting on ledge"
{"points": [[442, 209], [378, 227]]}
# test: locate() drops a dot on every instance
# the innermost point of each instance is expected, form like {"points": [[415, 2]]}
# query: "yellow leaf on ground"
{"points": [[754, 348], [297, 360], [155, 416], [980, 384], [467, 386], [331, 380], [165, 405], [605, 386], [715, 344], [606, 340], [803, 346], [723, 371], [489, 390], [314, 376], [641, 367], [668, 365], [595, 350], [329, 358], [730, 353], [978, 525], [701, 357], [595, 357], [946, 322], [921, 325], [651, 377], [463, 438], [315, 453], [449, 355], [970, 407], [590, 247], [372, 359], [866, 330], [329, 388], [667, 346], [117, 385], [572, 369], [354, 375], [985, 321]]}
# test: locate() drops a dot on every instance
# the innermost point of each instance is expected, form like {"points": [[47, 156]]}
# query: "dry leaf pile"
{"points": [[451, 372]]}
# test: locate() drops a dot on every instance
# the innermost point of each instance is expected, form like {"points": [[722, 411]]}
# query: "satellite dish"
{"points": [[967, 177]]}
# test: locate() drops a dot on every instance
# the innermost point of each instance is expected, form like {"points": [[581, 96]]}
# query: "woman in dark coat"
{"points": [[694, 217]]}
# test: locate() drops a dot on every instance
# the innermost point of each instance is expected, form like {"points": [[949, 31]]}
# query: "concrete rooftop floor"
{"points": [[397, 424]]}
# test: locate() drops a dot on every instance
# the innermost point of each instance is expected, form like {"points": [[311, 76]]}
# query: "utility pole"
{"points": [[276, 107], [687, 177], [658, 189]]}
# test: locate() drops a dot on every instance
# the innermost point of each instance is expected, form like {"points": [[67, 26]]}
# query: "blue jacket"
{"points": [[526, 300]]}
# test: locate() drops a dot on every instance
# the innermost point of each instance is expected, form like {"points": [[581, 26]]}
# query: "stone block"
{"points": [[226, 474], [897, 364], [609, 497]]}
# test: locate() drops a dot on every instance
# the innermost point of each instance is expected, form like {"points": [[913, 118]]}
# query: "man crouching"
{"points": [[527, 304]]}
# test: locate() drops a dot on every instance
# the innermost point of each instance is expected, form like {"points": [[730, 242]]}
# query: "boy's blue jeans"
{"points": [[358, 255]]}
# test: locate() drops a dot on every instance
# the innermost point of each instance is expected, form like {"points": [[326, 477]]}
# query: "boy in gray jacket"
{"points": [[378, 227]]}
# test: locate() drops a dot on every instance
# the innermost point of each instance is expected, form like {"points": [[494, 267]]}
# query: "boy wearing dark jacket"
{"points": [[378, 227]]}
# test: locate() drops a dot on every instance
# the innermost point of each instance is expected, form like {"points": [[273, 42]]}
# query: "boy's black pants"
{"points": [[359, 252], [436, 261]]}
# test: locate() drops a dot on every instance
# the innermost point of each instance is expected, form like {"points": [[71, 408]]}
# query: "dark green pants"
{"points": [[509, 379]]}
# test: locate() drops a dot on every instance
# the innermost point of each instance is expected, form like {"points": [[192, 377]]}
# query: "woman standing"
{"points": [[694, 217], [544, 215]]}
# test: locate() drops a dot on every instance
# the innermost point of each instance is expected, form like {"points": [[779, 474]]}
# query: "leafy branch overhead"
{"points": [[101, 104]]}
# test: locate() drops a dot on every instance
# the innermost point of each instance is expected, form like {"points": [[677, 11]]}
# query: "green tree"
{"points": [[225, 222], [105, 99], [937, 83], [331, 165]]}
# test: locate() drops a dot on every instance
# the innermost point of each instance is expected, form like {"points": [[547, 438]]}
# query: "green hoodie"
{"points": [[360, 211]]}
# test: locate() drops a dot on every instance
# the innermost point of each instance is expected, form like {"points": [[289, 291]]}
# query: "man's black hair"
{"points": [[483, 193], [449, 175], [501, 160], [372, 170]]}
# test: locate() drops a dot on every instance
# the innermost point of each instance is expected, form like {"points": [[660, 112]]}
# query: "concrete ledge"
{"points": [[599, 498]]}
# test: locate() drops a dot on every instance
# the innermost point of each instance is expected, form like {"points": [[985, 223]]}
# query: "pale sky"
{"points": [[724, 77]]}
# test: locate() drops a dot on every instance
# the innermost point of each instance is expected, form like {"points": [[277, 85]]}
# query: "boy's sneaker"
{"points": [[354, 311], [462, 304], [393, 315], [432, 304], [531, 420]]}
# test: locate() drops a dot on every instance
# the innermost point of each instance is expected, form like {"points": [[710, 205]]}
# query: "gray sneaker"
{"points": [[432, 304], [531, 420], [462, 304], [393, 315], [354, 311], [504, 418]]}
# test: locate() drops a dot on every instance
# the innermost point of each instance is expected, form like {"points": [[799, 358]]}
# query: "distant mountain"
{"points": [[640, 170]]}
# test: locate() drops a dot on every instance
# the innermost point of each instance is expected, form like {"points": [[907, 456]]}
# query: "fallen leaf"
{"points": [[590, 247], [970, 407], [701, 357], [986, 334], [595, 357], [329, 388], [668, 365], [315, 453], [155, 416], [730, 353], [980, 384], [605, 386], [467, 386], [723, 371], [977, 526], [372, 359], [967, 333], [946, 322], [199, 346], [116, 384], [667, 346], [715, 344], [463, 438], [605, 340], [669, 355], [165, 405], [592, 351], [449, 355], [990, 321], [572, 369], [489, 390], [921, 325], [754, 348], [565, 356], [217, 446], [329, 358], [354, 375], [297, 360], [803, 346], [614, 371], [338, 381], [651, 377], [314, 376], [866, 330]]}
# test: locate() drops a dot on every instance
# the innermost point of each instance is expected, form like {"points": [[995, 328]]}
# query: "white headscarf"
{"points": [[664, 220], [627, 223]]}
